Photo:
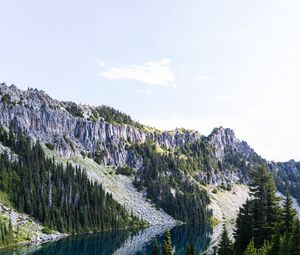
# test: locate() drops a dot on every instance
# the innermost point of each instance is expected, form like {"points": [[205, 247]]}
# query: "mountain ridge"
{"points": [[38, 100], [185, 160]]}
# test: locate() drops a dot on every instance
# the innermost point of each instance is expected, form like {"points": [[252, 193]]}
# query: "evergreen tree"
{"points": [[295, 240], [190, 249], [250, 250], [266, 210], [167, 246], [276, 244], [61, 197], [225, 246], [265, 249], [244, 230], [155, 248], [289, 214], [284, 246]]}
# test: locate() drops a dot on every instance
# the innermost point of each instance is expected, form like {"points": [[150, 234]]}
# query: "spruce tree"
{"points": [[284, 246], [167, 247], [190, 249], [295, 240], [250, 250], [266, 209], [265, 249], [276, 244], [243, 231], [225, 246], [155, 248], [289, 214]]}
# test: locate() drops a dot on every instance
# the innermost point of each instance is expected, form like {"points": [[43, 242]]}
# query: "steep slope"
{"points": [[171, 168], [51, 121], [120, 187], [27, 228]]}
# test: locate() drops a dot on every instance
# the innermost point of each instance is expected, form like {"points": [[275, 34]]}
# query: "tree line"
{"points": [[165, 176], [263, 225], [60, 197]]}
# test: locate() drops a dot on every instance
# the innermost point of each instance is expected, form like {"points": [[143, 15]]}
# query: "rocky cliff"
{"points": [[177, 175], [73, 129], [53, 122], [58, 124]]}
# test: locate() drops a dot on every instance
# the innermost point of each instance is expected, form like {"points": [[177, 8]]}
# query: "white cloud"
{"points": [[204, 78], [157, 73]]}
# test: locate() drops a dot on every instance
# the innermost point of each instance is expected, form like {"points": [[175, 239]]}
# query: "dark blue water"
{"points": [[120, 242]]}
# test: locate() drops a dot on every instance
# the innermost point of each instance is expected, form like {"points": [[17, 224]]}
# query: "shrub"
{"points": [[5, 98], [124, 170], [50, 146], [46, 231]]}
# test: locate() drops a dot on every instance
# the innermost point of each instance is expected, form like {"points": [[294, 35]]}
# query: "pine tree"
{"points": [[225, 246], [243, 232], [289, 214], [250, 250], [190, 249], [295, 240], [155, 248], [167, 247], [284, 246], [61, 197], [266, 209], [276, 243], [265, 249]]}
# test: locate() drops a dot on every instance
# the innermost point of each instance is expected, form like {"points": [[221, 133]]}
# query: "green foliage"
{"points": [[74, 109], [262, 226], [287, 177], [47, 231], [250, 250], [155, 248], [190, 249], [50, 146], [164, 176], [289, 215], [108, 113], [62, 198], [266, 211], [244, 228], [112, 115], [5, 98], [99, 156], [124, 170], [5, 199], [265, 249], [167, 248], [225, 246], [294, 243], [6, 232]]}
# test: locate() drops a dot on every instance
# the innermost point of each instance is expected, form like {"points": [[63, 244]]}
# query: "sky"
{"points": [[194, 64]]}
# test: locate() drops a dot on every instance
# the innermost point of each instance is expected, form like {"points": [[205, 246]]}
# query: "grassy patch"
{"points": [[5, 200], [214, 221]]}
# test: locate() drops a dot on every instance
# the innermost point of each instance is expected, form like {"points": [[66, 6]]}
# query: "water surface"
{"points": [[120, 242]]}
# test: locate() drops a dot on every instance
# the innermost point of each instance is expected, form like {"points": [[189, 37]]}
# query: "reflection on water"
{"points": [[121, 242]]}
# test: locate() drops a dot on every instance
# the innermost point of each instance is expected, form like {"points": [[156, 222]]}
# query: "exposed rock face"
{"points": [[223, 139], [28, 226], [49, 121]]}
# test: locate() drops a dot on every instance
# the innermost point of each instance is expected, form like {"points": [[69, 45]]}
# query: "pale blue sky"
{"points": [[195, 64]]}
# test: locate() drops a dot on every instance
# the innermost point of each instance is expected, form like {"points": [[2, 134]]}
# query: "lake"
{"points": [[120, 242]]}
